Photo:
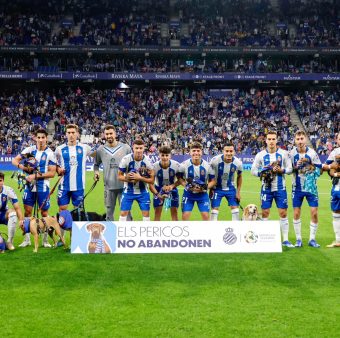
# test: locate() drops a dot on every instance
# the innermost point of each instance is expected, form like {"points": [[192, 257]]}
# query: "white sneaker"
{"points": [[47, 245], [10, 246], [24, 244]]}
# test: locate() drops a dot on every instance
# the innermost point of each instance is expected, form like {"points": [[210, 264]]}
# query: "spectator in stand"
{"points": [[174, 116]]}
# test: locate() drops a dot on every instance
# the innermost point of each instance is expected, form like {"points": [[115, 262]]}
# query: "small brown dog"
{"points": [[250, 213], [97, 242], [306, 166], [36, 226]]}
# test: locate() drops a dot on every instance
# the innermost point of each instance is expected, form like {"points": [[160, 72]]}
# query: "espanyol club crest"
{"points": [[43, 158], [202, 172], [171, 173], [229, 237], [80, 151], [279, 158], [232, 169], [4, 199]]}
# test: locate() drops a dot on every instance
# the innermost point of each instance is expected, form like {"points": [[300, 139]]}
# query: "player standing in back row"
{"points": [[197, 176], [71, 160], [271, 165], [306, 169], [333, 166], [226, 167], [136, 171], [110, 154], [165, 187], [41, 168]]}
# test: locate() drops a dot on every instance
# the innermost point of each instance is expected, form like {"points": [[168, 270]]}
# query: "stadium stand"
{"points": [[170, 113], [297, 23], [177, 116], [160, 64], [319, 113]]}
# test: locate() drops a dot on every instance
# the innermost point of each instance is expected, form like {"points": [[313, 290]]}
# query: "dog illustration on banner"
{"points": [[97, 243]]}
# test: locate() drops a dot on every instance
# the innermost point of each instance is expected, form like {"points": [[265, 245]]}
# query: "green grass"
{"points": [[293, 294]]}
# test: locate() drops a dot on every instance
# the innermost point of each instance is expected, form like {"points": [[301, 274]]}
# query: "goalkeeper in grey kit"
{"points": [[110, 155]]}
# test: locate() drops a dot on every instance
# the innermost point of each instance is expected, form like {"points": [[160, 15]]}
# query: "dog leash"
{"points": [[3, 235], [51, 192], [91, 189], [82, 205], [36, 209]]}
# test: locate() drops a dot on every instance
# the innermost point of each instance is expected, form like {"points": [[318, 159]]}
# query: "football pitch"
{"points": [[293, 294]]}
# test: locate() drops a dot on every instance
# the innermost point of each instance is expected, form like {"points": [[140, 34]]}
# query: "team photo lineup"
{"points": [[129, 176], [170, 168]]}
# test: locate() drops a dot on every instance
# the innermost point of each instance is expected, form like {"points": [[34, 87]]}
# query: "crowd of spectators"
{"points": [[23, 29], [114, 63], [176, 116], [317, 23], [294, 23], [131, 30], [31, 22], [319, 113]]}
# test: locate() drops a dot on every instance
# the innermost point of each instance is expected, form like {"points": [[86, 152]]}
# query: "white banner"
{"points": [[176, 237]]}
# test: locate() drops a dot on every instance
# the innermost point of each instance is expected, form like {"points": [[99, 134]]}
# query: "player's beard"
{"points": [[301, 148], [138, 157], [111, 142]]}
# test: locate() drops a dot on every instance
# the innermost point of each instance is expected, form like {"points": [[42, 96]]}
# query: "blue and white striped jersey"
{"points": [[165, 176], [331, 159], [44, 159], [126, 165], [225, 172], [7, 194], [299, 178], [331, 156], [203, 171], [263, 158], [73, 160]]}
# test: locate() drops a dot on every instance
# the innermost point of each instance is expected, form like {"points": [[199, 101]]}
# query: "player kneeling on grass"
{"points": [[65, 221], [136, 171], [8, 216], [194, 174], [225, 167], [165, 187]]}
